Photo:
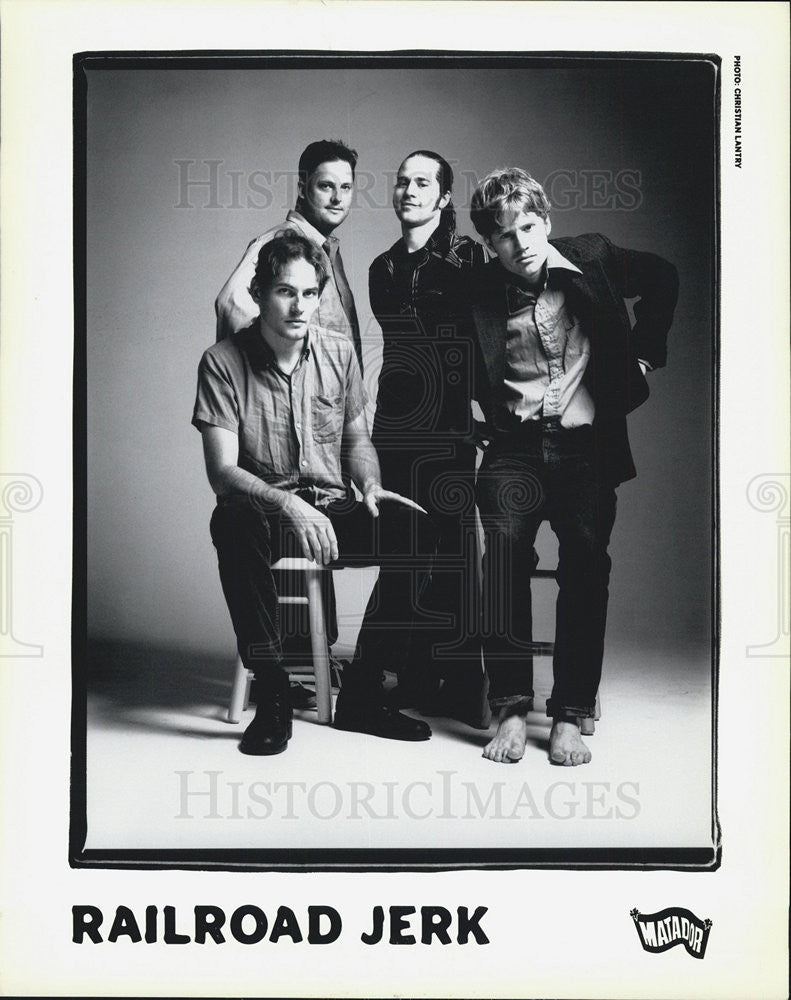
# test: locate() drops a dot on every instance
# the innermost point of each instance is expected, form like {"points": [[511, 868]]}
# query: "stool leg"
{"points": [[318, 641], [240, 692]]}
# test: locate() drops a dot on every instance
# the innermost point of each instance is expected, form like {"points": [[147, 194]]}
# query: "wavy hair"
{"points": [[503, 190], [273, 256]]}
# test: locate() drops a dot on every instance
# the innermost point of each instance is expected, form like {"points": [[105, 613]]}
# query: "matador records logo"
{"points": [[667, 928]]}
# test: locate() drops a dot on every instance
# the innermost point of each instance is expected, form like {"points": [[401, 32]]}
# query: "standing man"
{"points": [[281, 413], [561, 368], [423, 431], [325, 186]]}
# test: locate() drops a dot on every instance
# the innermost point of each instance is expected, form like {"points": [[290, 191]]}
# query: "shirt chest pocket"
{"points": [[327, 417]]}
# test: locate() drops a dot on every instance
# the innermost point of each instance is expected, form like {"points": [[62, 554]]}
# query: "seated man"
{"points": [[281, 412], [561, 368]]}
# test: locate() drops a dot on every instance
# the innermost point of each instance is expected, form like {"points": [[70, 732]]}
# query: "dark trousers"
{"points": [[248, 541], [544, 472], [440, 476]]}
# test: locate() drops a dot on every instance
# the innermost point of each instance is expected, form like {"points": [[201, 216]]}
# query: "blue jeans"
{"points": [[545, 472]]}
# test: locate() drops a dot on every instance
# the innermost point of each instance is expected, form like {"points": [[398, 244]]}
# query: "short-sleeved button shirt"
{"points": [[290, 427]]}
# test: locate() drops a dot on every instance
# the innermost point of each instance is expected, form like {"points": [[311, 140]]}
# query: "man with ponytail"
{"points": [[423, 432]]}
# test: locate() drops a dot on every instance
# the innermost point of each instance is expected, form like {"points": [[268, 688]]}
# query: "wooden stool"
{"points": [[320, 670]]}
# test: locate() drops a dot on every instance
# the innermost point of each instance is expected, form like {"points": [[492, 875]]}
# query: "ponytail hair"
{"points": [[447, 219]]}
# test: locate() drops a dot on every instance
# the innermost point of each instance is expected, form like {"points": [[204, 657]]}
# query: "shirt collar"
{"points": [[555, 262], [518, 298], [555, 259], [438, 244], [440, 241], [309, 230], [259, 352]]}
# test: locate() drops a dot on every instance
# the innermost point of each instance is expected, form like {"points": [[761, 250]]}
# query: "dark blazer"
{"points": [[609, 275]]}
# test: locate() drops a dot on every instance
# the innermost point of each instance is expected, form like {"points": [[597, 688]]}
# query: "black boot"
{"points": [[361, 708], [270, 730]]}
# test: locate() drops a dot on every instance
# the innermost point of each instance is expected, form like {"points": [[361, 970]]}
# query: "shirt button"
{"points": [[304, 461]]}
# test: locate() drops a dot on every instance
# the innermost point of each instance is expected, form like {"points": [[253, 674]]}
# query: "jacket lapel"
{"points": [[589, 295]]}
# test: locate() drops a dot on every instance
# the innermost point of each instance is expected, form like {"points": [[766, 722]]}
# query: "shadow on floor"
{"points": [[124, 678], [158, 688]]}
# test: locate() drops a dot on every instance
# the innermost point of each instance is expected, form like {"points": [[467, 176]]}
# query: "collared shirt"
{"points": [[290, 427], [419, 300], [547, 352], [332, 248], [330, 313], [419, 278]]}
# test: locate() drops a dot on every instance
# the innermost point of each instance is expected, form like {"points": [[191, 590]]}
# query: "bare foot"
{"points": [[566, 746], [508, 745]]}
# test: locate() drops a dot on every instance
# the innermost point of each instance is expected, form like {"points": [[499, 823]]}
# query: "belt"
{"points": [[548, 425]]}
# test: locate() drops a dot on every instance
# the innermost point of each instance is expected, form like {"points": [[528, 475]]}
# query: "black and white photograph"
{"points": [[400, 451], [421, 430]]}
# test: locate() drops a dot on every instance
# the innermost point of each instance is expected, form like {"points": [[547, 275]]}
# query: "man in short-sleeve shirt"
{"points": [[281, 412], [288, 426]]}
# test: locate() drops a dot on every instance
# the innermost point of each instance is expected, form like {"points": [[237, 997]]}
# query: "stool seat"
{"points": [[240, 693], [297, 562]]}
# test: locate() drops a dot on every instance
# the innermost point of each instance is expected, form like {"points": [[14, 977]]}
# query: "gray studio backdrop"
{"points": [[625, 148]]}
